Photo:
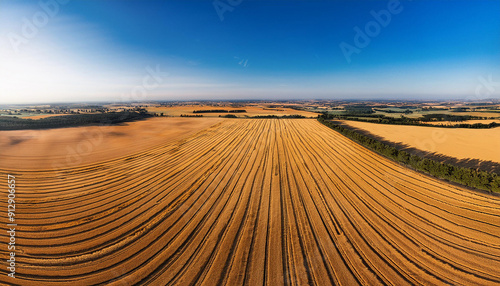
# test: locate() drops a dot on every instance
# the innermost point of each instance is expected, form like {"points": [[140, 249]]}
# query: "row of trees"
{"points": [[264, 116], [403, 120], [407, 111], [191, 115], [14, 123], [359, 109], [465, 176], [276, 116], [446, 117], [220, 111]]}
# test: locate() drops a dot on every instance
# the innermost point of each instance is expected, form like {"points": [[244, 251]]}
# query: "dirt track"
{"points": [[251, 202]]}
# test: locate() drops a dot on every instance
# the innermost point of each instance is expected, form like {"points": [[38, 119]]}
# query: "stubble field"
{"points": [[250, 201]]}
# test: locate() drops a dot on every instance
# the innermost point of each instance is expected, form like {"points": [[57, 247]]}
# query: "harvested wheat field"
{"points": [[461, 143], [251, 201]]}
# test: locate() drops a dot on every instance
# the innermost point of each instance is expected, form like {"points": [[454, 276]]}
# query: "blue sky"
{"points": [[223, 49]]}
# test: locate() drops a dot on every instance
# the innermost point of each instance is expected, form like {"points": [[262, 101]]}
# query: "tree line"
{"points": [[265, 116], [276, 116], [220, 111], [191, 115], [382, 119], [14, 123], [407, 111]]}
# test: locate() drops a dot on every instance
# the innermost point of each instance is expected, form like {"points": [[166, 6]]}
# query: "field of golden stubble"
{"points": [[250, 202]]}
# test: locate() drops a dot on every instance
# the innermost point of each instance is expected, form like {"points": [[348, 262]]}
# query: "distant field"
{"points": [[39, 116], [31, 115], [250, 111], [460, 143], [68, 147], [22, 114], [242, 202], [485, 121], [417, 114]]}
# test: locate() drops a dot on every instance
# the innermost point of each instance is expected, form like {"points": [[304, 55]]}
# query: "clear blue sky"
{"points": [[102, 50]]}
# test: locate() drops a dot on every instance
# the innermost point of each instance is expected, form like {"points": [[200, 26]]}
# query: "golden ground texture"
{"points": [[250, 202]]}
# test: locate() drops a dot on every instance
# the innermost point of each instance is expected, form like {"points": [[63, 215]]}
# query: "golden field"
{"points": [[244, 202], [460, 143]]}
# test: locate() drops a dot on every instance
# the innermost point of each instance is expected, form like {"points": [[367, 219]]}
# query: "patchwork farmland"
{"points": [[250, 201]]}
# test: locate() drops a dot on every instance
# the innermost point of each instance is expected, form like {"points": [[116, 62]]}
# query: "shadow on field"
{"points": [[17, 140]]}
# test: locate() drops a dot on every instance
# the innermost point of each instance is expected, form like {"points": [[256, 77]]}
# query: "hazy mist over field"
{"points": [[71, 51]]}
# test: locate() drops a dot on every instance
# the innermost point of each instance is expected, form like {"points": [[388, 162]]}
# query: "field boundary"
{"points": [[472, 163], [72, 120], [406, 121], [474, 179]]}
